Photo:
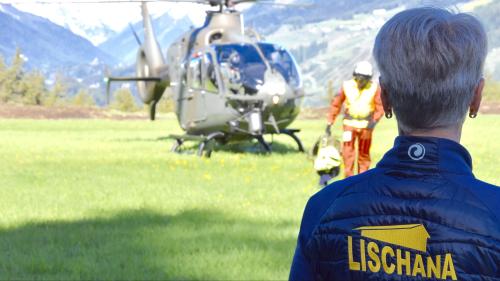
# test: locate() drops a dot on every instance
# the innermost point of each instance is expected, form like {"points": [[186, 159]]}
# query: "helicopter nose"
{"points": [[274, 88]]}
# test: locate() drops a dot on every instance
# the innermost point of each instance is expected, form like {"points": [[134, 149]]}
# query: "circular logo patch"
{"points": [[416, 151]]}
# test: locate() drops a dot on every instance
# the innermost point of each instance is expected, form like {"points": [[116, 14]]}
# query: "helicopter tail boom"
{"points": [[151, 71], [160, 86]]}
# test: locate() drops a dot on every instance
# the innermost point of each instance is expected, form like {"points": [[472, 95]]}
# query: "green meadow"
{"points": [[104, 199]]}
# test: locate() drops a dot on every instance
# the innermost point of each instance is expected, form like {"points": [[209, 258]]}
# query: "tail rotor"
{"points": [[151, 71]]}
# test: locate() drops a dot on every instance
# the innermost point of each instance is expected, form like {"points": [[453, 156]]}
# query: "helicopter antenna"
{"points": [[135, 34]]}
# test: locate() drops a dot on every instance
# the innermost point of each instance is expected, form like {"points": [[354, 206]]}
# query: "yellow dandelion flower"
{"points": [[207, 176]]}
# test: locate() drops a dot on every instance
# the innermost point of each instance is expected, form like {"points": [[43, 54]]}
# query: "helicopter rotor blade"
{"points": [[135, 35], [271, 2], [228, 3], [97, 1]]}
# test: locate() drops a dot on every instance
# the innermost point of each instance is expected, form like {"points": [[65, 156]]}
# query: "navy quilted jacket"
{"points": [[419, 215]]}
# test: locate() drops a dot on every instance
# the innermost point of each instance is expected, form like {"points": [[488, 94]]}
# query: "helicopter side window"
{"points": [[210, 76], [195, 81]]}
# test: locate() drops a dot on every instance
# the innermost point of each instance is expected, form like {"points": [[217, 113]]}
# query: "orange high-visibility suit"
{"points": [[363, 109]]}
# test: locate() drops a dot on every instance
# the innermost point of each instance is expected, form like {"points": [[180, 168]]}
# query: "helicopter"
{"points": [[227, 85]]}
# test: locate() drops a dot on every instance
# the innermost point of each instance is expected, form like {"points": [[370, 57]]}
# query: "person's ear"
{"points": [[384, 97], [476, 99]]}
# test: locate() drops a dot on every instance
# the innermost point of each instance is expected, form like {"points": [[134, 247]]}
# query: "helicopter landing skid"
{"points": [[292, 134], [177, 144], [263, 143], [289, 132], [205, 146], [206, 143]]}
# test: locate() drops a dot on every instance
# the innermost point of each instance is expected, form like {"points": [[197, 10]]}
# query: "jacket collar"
{"points": [[427, 154]]}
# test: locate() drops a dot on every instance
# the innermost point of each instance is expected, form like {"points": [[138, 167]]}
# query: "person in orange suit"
{"points": [[362, 110]]}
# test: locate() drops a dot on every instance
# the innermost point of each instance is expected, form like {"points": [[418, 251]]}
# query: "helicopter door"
{"points": [[210, 75], [196, 109]]}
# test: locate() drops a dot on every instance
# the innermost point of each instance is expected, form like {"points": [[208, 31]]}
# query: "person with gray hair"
{"points": [[420, 213], [431, 73]]}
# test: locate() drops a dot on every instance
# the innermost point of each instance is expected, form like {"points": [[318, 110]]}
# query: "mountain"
{"points": [[91, 21], [96, 33], [333, 36], [328, 49], [489, 16], [124, 47], [45, 45], [268, 19]]}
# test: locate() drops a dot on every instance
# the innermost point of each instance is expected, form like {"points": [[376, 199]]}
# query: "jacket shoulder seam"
{"points": [[474, 195]]}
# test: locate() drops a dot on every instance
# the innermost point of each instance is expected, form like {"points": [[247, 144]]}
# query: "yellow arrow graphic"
{"points": [[413, 236]]}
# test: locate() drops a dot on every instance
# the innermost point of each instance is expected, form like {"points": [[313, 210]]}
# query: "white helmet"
{"points": [[363, 68]]}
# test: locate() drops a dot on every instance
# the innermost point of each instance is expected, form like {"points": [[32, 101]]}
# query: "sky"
{"points": [[82, 17], [79, 16], [115, 15]]}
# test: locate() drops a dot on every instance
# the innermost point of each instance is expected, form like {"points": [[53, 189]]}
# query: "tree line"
{"points": [[17, 85], [20, 86]]}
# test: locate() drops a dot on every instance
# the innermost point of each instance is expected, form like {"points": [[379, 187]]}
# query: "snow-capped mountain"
{"points": [[44, 44], [124, 47], [95, 22], [330, 46], [99, 22], [333, 36], [96, 33], [269, 18]]}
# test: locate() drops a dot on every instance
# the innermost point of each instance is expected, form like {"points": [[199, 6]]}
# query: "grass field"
{"points": [[101, 199]]}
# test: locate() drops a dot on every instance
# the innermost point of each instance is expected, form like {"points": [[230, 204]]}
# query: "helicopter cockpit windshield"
{"points": [[281, 60], [243, 67]]}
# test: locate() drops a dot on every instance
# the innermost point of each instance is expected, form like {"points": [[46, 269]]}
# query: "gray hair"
{"points": [[430, 62]]}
